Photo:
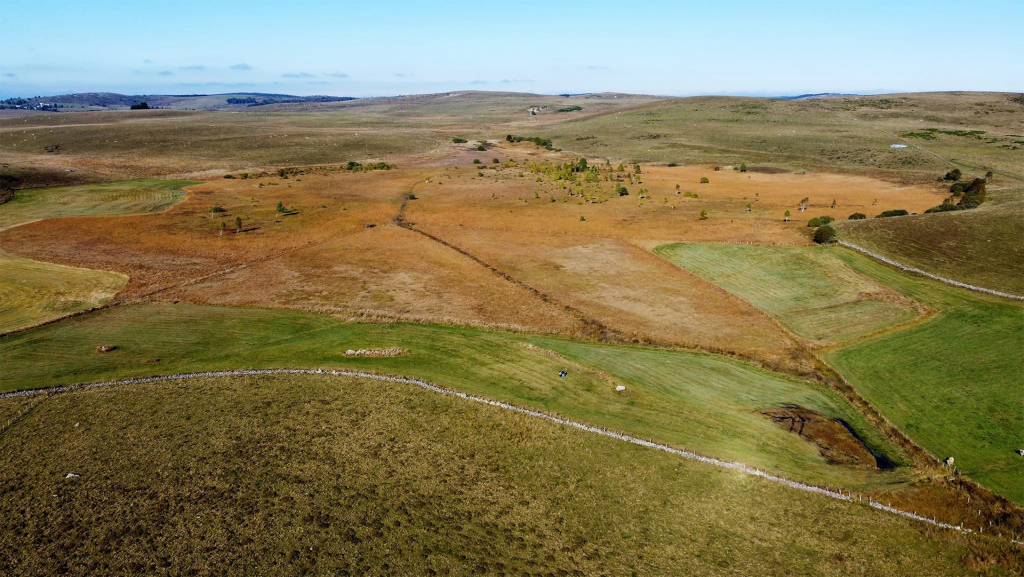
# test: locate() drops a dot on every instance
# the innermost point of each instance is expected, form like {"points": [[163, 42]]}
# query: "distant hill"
{"points": [[112, 101], [819, 95]]}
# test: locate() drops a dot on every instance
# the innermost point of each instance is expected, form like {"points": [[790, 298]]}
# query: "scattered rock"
{"points": [[105, 348], [72, 476], [620, 388], [376, 352], [370, 225], [949, 461]]}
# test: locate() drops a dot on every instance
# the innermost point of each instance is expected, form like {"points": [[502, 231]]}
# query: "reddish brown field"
{"points": [[499, 252]]}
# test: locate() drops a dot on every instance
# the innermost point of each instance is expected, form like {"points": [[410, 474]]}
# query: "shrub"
{"points": [[570, 109], [944, 207], [582, 218], [787, 216], [957, 188], [703, 215], [458, 140], [743, 168], [412, 196], [495, 161], [672, 164], [826, 219], [622, 191], [858, 216], [988, 175], [897, 212], [953, 175], [717, 168], [704, 180], [479, 174], [481, 148], [217, 208], [814, 222], [238, 223], [476, 161], [825, 234], [229, 176]]}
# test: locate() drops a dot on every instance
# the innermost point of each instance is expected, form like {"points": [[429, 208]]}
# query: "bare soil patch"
{"points": [[834, 438]]}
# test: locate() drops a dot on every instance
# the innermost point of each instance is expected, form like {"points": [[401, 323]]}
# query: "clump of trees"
{"points": [[820, 221], [858, 216], [953, 176], [963, 196], [570, 109], [545, 142], [357, 167], [140, 106], [889, 213], [825, 234]]}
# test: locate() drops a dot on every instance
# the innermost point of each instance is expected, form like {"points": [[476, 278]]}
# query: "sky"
{"points": [[385, 48]]}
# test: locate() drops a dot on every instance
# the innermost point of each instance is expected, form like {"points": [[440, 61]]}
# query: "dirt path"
{"points": [[838, 494]]}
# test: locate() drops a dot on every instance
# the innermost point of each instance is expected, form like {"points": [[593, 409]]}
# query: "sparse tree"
{"points": [[786, 219], [223, 225], [280, 206], [833, 203], [703, 215], [238, 224]]}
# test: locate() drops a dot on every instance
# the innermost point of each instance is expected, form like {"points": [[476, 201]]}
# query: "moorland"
{"points": [[638, 264]]}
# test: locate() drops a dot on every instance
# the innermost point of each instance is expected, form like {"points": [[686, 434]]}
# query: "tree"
{"points": [[476, 161], [826, 219], [803, 203], [704, 180], [622, 190], [825, 234], [238, 224], [677, 189], [140, 106], [636, 168], [280, 206], [748, 207], [743, 168], [858, 216], [787, 217], [833, 203], [582, 164], [897, 212], [953, 175], [223, 225], [703, 215], [814, 222]]}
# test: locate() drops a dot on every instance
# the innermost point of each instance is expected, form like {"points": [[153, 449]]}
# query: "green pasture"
{"points": [[955, 382], [32, 292], [320, 475], [808, 289], [702, 402], [102, 199]]}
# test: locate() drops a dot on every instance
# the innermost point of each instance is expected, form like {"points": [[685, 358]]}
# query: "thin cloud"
{"points": [[241, 66], [165, 73], [192, 67], [147, 61], [479, 82], [336, 74], [297, 75], [10, 75], [515, 81], [402, 75], [597, 67]]}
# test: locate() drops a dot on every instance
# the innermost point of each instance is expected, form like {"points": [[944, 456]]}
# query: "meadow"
{"points": [[704, 402], [342, 476], [808, 289]]}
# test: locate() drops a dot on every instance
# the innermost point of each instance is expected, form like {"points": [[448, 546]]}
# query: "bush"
{"points": [[495, 161], [570, 109], [229, 176], [481, 148], [458, 140], [704, 180], [703, 215], [412, 196], [814, 222], [743, 168], [858, 216], [953, 175], [957, 188], [672, 164], [217, 208], [622, 191], [897, 212], [988, 175], [826, 219], [944, 207], [582, 219], [476, 161], [825, 234]]}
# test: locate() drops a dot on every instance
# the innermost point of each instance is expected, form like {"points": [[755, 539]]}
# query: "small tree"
{"points": [[636, 168], [582, 218], [280, 206], [238, 224], [495, 161], [743, 168], [476, 161], [704, 180], [826, 219], [833, 203], [703, 215], [814, 222], [677, 189], [748, 207], [953, 175], [223, 225], [825, 234], [786, 219]]}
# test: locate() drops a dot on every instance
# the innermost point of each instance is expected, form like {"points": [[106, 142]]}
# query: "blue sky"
{"points": [[392, 47]]}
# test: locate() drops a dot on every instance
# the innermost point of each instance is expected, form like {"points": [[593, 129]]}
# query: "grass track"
{"points": [[702, 402], [808, 289], [296, 474]]}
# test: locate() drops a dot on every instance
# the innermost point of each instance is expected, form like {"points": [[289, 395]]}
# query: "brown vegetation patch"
{"points": [[834, 438]]}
